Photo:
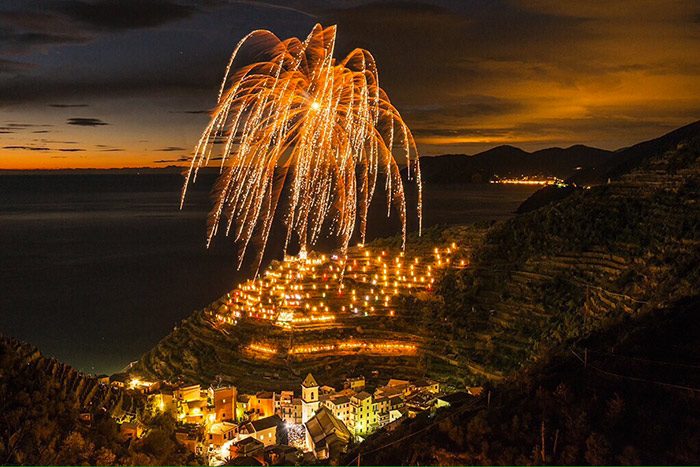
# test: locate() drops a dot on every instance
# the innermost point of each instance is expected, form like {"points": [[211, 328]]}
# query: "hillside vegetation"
{"points": [[200, 350], [589, 305], [534, 282], [634, 403], [55, 415], [559, 272]]}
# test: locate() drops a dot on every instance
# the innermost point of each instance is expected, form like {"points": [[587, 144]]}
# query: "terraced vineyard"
{"points": [[590, 306], [595, 258], [299, 316], [510, 292]]}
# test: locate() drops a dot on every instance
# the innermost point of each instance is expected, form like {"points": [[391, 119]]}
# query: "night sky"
{"points": [[129, 82]]}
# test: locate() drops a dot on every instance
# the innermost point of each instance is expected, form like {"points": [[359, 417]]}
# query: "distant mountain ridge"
{"points": [[627, 159], [624, 161], [579, 164], [511, 161]]}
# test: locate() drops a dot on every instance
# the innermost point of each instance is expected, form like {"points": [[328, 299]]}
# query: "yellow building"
{"points": [[363, 416], [340, 407], [196, 411], [356, 384], [245, 406], [131, 430], [163, 402], [188, 393]]}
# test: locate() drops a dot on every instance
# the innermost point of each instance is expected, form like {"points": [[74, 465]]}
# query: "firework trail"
{"points": [[290, 116]]}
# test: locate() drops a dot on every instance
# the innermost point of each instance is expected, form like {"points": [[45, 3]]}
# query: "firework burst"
{"points": [[298, 128]]}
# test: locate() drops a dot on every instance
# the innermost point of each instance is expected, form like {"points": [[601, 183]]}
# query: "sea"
{"points": [[95, 269]]}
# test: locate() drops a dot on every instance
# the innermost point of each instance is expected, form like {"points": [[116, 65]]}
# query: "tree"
{"points": [[597, 449]]}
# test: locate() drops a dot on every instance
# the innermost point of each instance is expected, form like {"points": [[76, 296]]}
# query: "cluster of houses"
{"points": [[274, 428]]}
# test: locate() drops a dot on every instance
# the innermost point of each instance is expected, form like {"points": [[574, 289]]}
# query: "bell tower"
{"points": [[309, 398]]}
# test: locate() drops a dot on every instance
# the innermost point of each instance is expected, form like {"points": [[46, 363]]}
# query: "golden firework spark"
{"points": [[291, 119]]}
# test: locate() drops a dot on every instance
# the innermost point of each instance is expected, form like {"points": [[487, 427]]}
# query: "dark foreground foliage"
{"points": [[41, 403], [562, 413]]}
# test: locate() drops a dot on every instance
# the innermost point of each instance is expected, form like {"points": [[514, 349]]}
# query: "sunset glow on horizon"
{"points": [[95, 90]]}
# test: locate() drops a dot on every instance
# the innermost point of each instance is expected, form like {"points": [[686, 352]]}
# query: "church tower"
{"points": [[309, 398]]}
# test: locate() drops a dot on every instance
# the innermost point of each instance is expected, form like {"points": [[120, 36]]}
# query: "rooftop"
{"points": [[247, 441], [340, 400], [397, 382], [455, 397], [221, 428], [324, 424], [309, 382], [421, 383], [265, 423]]}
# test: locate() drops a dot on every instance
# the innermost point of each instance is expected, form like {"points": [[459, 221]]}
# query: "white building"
{"points": [[309, 398]]}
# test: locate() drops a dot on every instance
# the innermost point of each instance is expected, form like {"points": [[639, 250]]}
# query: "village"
{"points": [[312, 422], [315, 422]]}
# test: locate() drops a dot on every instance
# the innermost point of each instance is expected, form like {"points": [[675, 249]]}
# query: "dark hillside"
{"points": [[510, 161], [628, 159], [534, 283], [611, 273], [636, 402], [54, 415]]}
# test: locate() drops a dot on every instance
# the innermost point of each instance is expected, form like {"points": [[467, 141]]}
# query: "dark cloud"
{"points": [[22, 125], [117, 15], [158, 83], [170, 161], [12, 66], [66, 106], [171, 149], [472, 107], [457, 132], [13, 127], [17, 42], [188, 111], [70, 149], [27, 148], [48, 22], [86, 122]]}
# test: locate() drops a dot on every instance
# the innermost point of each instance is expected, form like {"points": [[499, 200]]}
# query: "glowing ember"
{"points": [[297, 117], [262, 348], [374, 347]]}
